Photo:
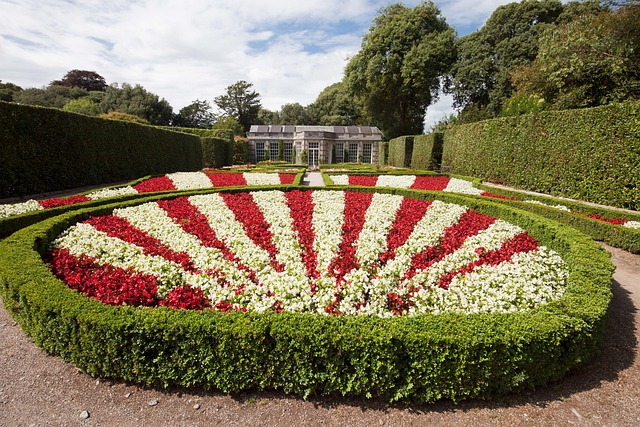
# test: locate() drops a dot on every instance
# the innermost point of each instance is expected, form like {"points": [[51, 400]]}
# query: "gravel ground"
{"points": [[41, 390]]}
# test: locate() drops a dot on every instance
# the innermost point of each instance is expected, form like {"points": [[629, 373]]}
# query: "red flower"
{"points": [[227, 179], [252, 219], [287, 178], [186, 297], [53, 203], [160, 183], [355, 207], [433, 183], [367, 181]]}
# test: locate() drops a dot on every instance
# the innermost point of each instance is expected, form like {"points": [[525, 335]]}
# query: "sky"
{"points": [[183, 50]]}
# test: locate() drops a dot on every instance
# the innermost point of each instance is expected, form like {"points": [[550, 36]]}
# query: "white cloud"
{"points": [[182, 50]]}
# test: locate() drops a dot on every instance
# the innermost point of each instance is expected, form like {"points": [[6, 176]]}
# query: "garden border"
{"points": [[420, 358]]}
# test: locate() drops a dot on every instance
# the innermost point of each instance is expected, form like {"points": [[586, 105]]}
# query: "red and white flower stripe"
{"points": [[324, 252], [169, 182]]}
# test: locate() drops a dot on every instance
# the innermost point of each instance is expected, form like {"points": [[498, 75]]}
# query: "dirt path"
{"points": [[38, 389]]}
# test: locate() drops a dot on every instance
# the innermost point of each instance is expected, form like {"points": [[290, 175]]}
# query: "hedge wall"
{"points": [[400, 150], [427, 151], [383, 157], [589, 154], [45, 149], [421, 358], [217, 145]]}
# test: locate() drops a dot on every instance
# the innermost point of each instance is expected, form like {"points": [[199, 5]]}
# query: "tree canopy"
{"points": [[240, 102], [138, 101], [198, 114], [398, 69], [593, 60], [87, 80], [336, 106]]}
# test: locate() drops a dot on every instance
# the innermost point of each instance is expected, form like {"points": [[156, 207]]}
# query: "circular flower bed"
{"points": [[323, 252], [382, 293]]}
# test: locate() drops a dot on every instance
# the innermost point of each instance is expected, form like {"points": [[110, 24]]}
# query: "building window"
{"points": [[339, 153], [288, 150], [273, 150], [259, 151], [366, 153], [353, 152]]}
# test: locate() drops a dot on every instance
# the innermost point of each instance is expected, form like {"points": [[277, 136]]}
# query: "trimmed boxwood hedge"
{"points": [[421, 358], [46, 149], [614, 235], [400, 150], [590, 154], [427, 151]]}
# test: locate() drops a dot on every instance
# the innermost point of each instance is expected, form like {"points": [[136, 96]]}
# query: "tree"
{"points": [[268, 117], [198, 114], [591, 61], [295, 114], [83, 106], [240, 102], [398, 69], [481, 78], [230, 123], [88, 80], [7, 90], [336, 106], [52, 96], [138, 101]]}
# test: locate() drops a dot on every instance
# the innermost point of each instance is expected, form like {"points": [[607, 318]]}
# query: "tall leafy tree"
{"points": [[336, 106], [52, 96], [138, 101], [88, 80], [7, 90], [509, 39], [591, 61], [268, 117], [295, 114], [198, 114], [398, 70], [481, 78], [240, 102]]}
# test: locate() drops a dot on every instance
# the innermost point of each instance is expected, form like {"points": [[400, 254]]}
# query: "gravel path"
{"points": [[38, 389]]}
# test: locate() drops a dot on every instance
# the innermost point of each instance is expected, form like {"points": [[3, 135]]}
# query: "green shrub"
{"points": [[240, 152], [383, 158], [589, 154], [427, 151], [421, 358], [400, 151], [45, 149], [124, 117]]}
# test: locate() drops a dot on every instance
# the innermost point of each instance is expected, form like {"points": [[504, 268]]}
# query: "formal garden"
{"points": [[388, 282]]}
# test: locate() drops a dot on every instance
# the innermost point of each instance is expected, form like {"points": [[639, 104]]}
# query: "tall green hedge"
{"points": [[427, 151], [45, 149], [589, 154], [400, 150], [217, 145]]}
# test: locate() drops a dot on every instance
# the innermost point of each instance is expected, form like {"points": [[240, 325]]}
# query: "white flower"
{"points": [[462, 186], [112, 192], [396, 181], [19, 208], [190, 180], [261, 178], [561, 207], [340, 179], [632, 224]]}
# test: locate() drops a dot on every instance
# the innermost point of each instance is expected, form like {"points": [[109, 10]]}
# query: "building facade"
{"points": [[322, 144]]}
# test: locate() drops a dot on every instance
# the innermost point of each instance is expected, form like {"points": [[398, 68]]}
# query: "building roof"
{"points": [[366, 130]]}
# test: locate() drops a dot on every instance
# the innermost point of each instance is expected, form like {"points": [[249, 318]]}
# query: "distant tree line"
{"points": [[529, 56]]}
